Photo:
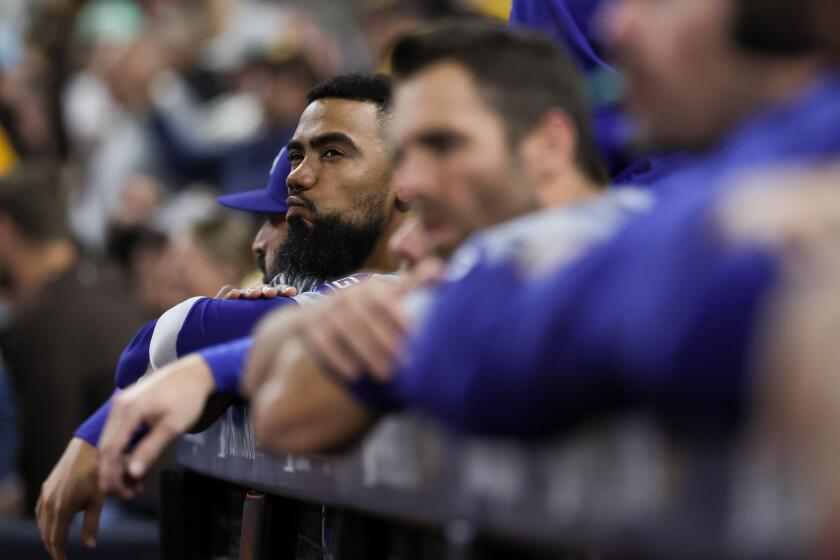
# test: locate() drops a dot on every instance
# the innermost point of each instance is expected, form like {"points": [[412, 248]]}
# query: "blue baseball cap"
{"points": [[271, 199]]}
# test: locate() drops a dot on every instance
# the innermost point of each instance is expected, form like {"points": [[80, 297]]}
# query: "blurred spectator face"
{"points": [[200, 274], [132, 69], [456, 161], [286, 97], [280, 82], [281, 94], [269, 238], [685, 77], [382, 28], [213, 253], [140, 198], [155, 275]]}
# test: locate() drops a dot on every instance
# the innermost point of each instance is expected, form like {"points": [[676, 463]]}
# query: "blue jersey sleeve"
{"points": [[210, 327], [91, 429], [661, 317], [213, 321], [208, 322], [134, 361], [227, 362]]}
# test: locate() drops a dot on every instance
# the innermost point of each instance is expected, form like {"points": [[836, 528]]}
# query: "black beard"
{"points": [[266, 274], [330, 249]]}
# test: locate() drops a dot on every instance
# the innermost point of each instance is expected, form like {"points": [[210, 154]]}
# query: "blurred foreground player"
{"points": [[626, 333], [665, 315]]}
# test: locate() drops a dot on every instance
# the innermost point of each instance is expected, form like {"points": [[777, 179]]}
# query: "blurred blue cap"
{"points": [[271, 199]]}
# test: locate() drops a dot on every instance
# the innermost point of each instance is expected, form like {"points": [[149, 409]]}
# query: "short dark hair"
{"points": [[370, 88], [32, 199], [777, 27], [520, 75]]}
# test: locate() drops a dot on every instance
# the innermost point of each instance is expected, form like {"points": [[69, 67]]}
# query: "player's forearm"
{"points": [[300, 410], [538, 360], [206, 322]]}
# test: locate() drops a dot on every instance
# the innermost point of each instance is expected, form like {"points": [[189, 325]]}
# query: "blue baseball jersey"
{"points": [[532, 245], [663, 316], [191, 326]]}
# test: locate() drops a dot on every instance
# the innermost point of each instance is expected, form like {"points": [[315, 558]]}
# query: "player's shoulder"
{"points": [[327, 288]]}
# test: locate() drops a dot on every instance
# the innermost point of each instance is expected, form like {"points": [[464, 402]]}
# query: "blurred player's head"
{"points": [[789, 27], [489, 124], [270, 237], [342, 198], [689, 81], [270, 202], [828, 23], [777, 27]]}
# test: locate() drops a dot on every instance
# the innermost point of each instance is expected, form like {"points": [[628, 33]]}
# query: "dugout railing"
{"points": [[410, 489]]}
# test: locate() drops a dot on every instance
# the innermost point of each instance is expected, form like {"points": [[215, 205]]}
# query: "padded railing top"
{"points": [[621, 486]]}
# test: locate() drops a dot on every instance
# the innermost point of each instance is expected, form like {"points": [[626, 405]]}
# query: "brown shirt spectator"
{"points": [[71, 320], [62, 350]]}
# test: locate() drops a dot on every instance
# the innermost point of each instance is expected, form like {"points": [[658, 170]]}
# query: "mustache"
{"points": [[308, 204]]}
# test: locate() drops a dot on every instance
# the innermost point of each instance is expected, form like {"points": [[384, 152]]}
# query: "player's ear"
{"points": [[402, 203], [556, 137], [549, 150], [402, 198]]}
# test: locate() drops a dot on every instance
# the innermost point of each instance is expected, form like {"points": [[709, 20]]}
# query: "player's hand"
{"points": [[71, 486], [288, 409], [260, 291], [357, 331], [168, 403]]}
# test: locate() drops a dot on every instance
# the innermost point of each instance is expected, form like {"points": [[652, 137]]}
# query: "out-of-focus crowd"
{"points": [[136, 116], [152, 108]]}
